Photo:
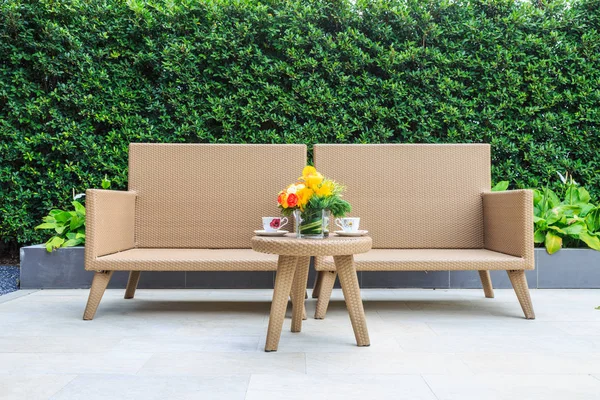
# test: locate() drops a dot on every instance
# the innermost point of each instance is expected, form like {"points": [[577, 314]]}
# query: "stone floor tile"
{"points": [[114, 387], [71, 363], [31, 387], [384, 363], [206, 363], [519, 363], [516, 386], [338, 387]]}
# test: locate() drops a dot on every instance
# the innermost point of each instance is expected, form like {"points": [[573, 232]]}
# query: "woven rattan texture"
{"points": [[99, 284], [188, 260], [132, 283], [508, 223], [207, 195], [292, 246], [413, 195], [428, 260], [299, 292], [109, 223], [351, 290], [519, 283], [283, 285], [326, 287], [486, 283]]}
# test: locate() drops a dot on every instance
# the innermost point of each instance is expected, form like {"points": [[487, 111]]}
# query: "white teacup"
{"points": [[273, 224], [348, 224]]}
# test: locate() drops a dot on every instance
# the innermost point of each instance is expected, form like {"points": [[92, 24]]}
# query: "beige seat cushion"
{"points": [[187, 260], [428, 260]]}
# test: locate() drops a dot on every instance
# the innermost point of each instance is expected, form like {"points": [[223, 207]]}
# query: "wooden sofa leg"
{"points": [[132, 283], [327, 282], [486, 282], [99, 285], [519, 282], [317, 287]]}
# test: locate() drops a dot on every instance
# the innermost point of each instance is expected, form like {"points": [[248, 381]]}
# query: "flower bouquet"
{"points": [[311, 200]]}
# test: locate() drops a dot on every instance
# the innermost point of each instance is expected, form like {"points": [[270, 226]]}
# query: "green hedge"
{"points": [[80, 79]]}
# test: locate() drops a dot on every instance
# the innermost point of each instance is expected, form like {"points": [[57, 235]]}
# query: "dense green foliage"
{"points": [[67, 227], [80, 79], [572, 222]]}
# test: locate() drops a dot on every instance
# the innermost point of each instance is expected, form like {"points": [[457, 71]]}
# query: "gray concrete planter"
{"points": [[568, 269], [565, 269], [63, 269]]}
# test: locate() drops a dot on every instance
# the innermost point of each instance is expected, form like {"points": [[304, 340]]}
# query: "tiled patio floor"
{"points": [[200, 344]]}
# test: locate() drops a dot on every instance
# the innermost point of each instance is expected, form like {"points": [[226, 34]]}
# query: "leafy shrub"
{"points": [[80, 80], [68, 227], [572, 222]]}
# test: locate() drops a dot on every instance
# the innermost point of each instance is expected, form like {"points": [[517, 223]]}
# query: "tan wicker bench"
{"points": [[190, 207], [429, 208]]}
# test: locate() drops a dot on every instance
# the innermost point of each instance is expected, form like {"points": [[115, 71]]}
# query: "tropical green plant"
{"points": [[572, 222], [106, 183], [500, 186], [68, 226]]}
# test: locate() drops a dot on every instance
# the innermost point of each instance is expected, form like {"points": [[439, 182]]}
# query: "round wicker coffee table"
{"points": [[294, 258]]}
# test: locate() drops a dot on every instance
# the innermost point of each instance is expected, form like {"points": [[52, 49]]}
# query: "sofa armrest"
{"points": [[109, 223], [508, 223]]}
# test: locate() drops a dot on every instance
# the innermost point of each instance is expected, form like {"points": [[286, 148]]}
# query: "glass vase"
{"points": [[312, 224]]}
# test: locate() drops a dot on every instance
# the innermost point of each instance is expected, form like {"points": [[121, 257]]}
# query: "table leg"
{"points": [[349, 282], [299, 293], [286, 267]]}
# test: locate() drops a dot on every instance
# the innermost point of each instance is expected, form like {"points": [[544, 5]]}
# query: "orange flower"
{"points": [[281, 199], [292, 200]]}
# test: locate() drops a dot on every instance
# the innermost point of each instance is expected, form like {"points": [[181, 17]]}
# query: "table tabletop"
{"points": [[290, 245]]}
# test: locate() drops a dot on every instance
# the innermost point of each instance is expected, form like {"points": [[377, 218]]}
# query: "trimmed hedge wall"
{"points": [[79, 80]]}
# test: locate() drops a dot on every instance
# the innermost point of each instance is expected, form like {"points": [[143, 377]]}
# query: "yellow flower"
{"points": [[311, 177], [304, 196], [308, 170], [325, 189]]}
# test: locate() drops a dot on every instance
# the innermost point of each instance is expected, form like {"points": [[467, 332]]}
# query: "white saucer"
{"points": [[262, 232], [357, 233]]}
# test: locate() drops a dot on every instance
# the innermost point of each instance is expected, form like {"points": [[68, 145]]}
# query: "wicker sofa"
{"points": [[430, 208], [189, 207]]}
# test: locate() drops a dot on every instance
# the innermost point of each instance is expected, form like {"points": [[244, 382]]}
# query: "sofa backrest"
{"points": [[208, 195], [413, 195]]}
